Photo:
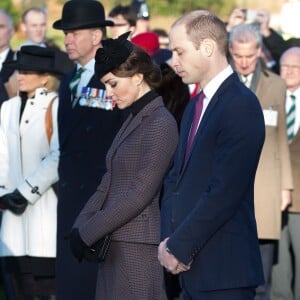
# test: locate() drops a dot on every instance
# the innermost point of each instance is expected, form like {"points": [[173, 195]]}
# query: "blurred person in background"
{"points": [[124, 20], [286, 272], [141, 10], [28, 227], [163, 37], [273, 44], [150, 43], [34, 26], [6, 52], [273, 181]]}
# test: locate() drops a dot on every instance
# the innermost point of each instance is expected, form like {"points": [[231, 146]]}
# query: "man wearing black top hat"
{"points": [[85, 134]]}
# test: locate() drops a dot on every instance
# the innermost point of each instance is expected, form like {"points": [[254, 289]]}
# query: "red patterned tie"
{"points": [[197, 115]]}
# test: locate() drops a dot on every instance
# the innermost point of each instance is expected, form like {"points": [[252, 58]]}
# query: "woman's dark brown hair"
{"points": [[140, 62]]}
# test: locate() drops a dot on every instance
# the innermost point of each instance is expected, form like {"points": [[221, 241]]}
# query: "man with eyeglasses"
{"points": [[286, 273], [273, 183], [124, 20]]}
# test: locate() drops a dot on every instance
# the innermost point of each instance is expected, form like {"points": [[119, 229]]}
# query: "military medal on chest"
{"points": [[95, 98]]}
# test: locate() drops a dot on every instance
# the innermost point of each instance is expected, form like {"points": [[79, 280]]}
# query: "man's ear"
{"points": [[23, 27], [207, 47], [97, 36]]}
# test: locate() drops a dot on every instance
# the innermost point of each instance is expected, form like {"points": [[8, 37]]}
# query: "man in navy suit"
{"points": [[85, 134], [209, 234]]}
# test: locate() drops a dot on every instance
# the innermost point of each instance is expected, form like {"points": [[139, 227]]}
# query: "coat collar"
{"points": [[134, 121]]}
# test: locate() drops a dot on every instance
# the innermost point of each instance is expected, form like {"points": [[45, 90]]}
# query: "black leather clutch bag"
{"points": [[98, 251]]}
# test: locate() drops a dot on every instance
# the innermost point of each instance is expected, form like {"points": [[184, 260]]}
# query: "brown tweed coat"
{"points": [[295, 159], [274, 172], [137, 162]]}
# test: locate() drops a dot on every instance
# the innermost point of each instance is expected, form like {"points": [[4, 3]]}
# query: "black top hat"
{"points": [[113, 54], [36, 59], [82, 14]]}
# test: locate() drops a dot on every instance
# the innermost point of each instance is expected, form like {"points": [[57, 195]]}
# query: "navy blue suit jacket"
{"points": [[207, 205], [85, 135]]}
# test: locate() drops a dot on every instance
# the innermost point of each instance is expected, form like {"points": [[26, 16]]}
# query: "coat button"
{"points": [[26, 121]]}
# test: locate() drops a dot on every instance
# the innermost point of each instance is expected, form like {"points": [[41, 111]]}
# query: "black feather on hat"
{"points": [[112, 55]]}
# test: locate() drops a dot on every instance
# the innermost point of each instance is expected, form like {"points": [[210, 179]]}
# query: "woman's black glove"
{"points": [[15, 202], [78, 246]]}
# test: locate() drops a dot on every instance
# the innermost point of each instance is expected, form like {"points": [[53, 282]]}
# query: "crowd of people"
{"points": [[143, 163]]}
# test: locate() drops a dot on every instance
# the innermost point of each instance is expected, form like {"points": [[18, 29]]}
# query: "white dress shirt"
{"points": [[288, 104], [211, 88], [3, 56], [86, 75]]}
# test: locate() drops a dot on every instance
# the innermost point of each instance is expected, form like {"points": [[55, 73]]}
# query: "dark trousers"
{"points": [[267, 250], [286, 273], [231, 294]]}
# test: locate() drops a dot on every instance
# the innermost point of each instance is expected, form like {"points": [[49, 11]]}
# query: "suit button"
{"points": [[82, 186]]}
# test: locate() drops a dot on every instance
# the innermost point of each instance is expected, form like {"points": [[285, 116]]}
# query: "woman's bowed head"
{"points": [[126, 70], [113, 54]]}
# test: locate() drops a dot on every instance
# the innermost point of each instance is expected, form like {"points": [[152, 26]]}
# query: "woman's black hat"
{"points": [[113, 54], [82, 14], [36, 59]]}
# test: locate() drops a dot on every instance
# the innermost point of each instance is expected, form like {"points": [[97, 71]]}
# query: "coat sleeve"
{"points": [[4, 163], [286, 172]]}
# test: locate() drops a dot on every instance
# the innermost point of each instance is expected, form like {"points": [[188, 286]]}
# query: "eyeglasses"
{"points": [[121, 24], [293, 67]]}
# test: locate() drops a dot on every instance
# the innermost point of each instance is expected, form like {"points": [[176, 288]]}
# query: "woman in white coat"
{"points": [[29, 156]]}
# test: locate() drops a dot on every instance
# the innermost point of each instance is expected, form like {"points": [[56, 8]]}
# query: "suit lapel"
{"points": [[72, 116], [204, 121]]}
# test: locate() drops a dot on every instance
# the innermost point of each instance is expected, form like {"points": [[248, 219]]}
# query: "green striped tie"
{"points": [[290, 119], [75, 81]]}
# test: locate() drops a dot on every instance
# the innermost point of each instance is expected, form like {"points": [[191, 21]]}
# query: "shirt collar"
{"points": [[4, 54], [296, 93], [89, 66], [211, 88]]}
